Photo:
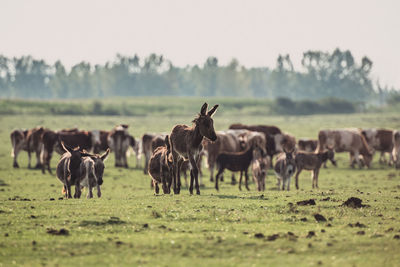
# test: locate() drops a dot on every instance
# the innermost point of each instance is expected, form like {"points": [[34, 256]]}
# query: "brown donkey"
{"points": [[186, 144]]}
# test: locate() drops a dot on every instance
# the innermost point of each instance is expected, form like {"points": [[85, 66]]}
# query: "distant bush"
{"points": [[287, 106]]}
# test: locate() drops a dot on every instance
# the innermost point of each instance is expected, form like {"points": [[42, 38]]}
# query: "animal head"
{"points": [[205, 122], [75, 159], [331, 155], [99, 165]]}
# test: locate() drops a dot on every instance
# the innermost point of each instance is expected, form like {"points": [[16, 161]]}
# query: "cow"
{"points": [[309, 145], [380, 140], [52, 140], [147, 149], [276, 140], [396, 149], [100, 140], [119, 141], [68, 169], [346, 140], [18, 143], [91, 172], [28, 140]]}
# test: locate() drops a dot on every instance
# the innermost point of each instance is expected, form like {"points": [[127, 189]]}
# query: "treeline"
{"points": [[177, 106], [323, 75]]}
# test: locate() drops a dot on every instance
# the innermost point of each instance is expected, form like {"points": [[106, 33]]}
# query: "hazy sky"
{"points": [[187, 32]]}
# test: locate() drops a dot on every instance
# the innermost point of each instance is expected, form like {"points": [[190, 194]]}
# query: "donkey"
{"points": [[284, 168], [91, 172], [161, 166], [68, 169], [186, 144], [259, 166], [235, 161], [312, 161]]}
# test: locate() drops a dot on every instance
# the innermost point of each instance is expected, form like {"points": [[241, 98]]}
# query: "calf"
{"points": [[259, 166], [160, 167], [235, 161], [309, 145], [68, 169], [91, 172], [312, 161], [284, 168], [396, 149]]}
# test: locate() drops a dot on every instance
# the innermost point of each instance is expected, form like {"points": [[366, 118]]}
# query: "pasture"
{"points": [[130, 226]]}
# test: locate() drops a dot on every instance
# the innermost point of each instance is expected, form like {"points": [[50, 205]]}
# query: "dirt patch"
{"points": [[272, 237], [319, 217], [357, 224], [306, 202], [111, 221], [62, 231], [354, 202], [361, 233], [310, 234], [326, 199], [259, 235]]}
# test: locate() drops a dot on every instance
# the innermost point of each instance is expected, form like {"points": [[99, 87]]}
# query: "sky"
{"points": [[187, 32]]}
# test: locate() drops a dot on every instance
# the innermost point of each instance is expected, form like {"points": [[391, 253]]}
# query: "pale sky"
{"points": [[187, 32]]}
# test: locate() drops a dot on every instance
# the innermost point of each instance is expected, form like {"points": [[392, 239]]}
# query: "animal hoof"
{"points": [[16, 165], [198, 192]]}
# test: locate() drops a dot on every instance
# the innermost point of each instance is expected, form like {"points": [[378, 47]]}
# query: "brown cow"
{"points": [[186, 142], [346, 140], [309, 145], [100, 140], [380, 140], [119, 141], [396, 149], [52, 140], [28, 140]]}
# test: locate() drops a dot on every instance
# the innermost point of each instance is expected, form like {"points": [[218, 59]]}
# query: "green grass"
{"points": [[129, 226]]}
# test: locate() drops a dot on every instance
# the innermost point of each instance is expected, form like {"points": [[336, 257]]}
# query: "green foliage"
{"points": [[146, 106], [323, 75]]}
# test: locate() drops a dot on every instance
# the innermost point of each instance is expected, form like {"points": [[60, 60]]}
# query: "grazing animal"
{"points": [[28, 140], [161, 167], [346, 140], [68, 169], [119, 141], [235, 161], [312, 161], [380, 140], [259, 166], [147, 149], [72, 138], [396, 149], [100, 141], [284, 168], [18, 143], [309, 145], [227, 141], [91, 172], [186, 145]]}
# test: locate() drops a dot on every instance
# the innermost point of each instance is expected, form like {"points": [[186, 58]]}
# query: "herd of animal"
{"points": [[167, 156]]}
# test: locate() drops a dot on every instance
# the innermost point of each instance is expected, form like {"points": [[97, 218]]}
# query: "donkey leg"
{"points": [[156, 188], [195, 174], [29, 158], [296, 178], [191, 182], [316, 177], [246, 181], [217, 178], [98, 191], [240, 181]]}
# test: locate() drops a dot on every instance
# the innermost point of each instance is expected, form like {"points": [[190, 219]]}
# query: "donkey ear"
{"points": [[203, 110], [212, 111], [105, 155], [167, 142]]}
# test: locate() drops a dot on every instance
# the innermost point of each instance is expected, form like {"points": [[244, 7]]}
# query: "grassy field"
{"points": [[130, 226]]}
